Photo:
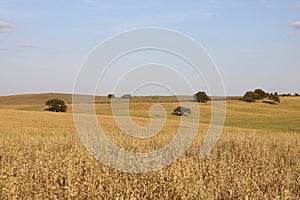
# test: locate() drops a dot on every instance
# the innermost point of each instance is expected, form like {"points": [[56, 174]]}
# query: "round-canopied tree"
{"points": [[261, 94], [56, 105]]}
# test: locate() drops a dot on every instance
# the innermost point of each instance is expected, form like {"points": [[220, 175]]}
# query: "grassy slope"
{"points": [[39, 99], [282, 117], [32, 99]]}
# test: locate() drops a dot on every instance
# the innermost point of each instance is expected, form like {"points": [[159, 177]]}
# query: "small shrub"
{"points": [[180, 110]]}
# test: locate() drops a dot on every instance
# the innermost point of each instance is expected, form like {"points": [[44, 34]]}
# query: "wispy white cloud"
{"points": [[6, 27], [295, 25], [25, 45]]}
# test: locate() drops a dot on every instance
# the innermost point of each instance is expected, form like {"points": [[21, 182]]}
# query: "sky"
{"points": [[254, 44]]}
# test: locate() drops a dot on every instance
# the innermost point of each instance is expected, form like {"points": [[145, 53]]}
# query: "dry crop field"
{"points": [[257, 156]]}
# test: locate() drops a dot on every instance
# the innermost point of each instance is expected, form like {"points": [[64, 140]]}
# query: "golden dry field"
{"points": [[257, 156]]}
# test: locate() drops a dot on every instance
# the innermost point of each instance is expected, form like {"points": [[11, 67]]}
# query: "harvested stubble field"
{"points": [[257, 156]]}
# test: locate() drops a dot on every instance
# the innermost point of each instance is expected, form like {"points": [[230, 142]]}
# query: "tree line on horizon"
{"points": [[249, 96]]}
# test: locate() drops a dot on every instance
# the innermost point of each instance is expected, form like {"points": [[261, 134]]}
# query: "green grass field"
{"points": [[280, 117]]}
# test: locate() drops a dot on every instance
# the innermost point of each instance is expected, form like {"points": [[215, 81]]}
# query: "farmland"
{"points": [[257, 156]]}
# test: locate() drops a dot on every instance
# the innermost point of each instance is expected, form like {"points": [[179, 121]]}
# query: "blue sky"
{"points": [[255, 44]]}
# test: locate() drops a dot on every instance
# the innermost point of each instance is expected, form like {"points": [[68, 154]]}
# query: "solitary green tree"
{"points": [[201, 97], [56, 105]]}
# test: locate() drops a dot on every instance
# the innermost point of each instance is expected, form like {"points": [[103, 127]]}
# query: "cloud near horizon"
{"points": [[25, 45], [295, 25], [6, 27]]}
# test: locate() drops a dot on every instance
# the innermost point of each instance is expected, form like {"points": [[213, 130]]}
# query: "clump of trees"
{"points": [[259, 94], [181, 111], [201, 97], [56, 105], [126, 96]]}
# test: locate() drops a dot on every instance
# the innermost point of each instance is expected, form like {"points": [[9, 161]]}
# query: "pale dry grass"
{"points": [[41, 157]]}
